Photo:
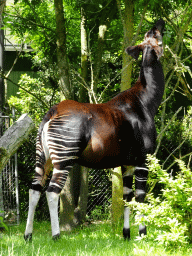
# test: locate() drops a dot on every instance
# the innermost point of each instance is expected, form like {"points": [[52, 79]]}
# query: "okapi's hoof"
{"points": [[28, 237], [143, 230], [56, 237], [126, 233]]}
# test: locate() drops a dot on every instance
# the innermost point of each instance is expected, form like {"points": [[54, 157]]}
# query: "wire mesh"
{"points": [[9, 192], [9, 207], [99, 190]]}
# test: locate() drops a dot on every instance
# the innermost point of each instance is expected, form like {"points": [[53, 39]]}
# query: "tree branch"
{"points": [[31, 22], [19, 86], [160, 136], [140, 25]]}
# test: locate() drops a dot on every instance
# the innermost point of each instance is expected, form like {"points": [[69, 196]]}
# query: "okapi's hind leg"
{"points": [[34, 196], [141, 174], [42, 171], [55, 186], [33, 200]]}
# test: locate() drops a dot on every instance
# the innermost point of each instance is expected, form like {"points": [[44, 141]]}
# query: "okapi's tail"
{"points": [[42, 151]]}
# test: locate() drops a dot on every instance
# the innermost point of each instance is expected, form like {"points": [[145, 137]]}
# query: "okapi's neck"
{"points": [[152, 79], [148, 90]]}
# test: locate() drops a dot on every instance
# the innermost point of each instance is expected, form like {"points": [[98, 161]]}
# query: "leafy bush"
{"points": [[171, 211], [35, 97], [2, 224]]}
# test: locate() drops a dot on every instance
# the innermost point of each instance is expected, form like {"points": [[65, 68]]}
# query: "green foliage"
{"points": [[171, 211], [33, 22], [177, 138], [2, 224], [35, 98], [100, 212]]}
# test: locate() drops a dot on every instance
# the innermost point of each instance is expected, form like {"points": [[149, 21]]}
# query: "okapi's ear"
{"points": [[133, 51]]}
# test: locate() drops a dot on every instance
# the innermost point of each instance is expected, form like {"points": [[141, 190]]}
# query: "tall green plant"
{"points": [[171, 211], [2, 224]]}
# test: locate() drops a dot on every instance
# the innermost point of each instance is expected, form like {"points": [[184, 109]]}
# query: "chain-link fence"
{"points": [[100, 191], [9, 193], [99, 186]]}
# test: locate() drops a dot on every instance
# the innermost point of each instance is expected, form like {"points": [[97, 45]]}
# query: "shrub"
{"points": [[3, 226], [171, 211]]}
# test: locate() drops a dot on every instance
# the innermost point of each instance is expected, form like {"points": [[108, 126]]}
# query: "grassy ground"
{"points": [[95, 239]]}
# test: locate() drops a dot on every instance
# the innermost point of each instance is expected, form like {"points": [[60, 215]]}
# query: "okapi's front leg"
{"points": [[127, 196], [141, 174]]}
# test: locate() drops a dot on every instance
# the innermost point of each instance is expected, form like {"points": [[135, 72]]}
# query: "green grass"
{"points": [[95, 239]]}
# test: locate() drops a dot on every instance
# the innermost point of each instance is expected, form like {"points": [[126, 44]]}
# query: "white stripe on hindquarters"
{"points": [[44, 140]]}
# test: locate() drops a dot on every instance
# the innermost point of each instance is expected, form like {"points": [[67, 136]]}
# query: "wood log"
{"points": [[13, 138]]}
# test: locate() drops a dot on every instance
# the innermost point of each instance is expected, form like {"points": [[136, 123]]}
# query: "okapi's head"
{"points": [[152, 42]]}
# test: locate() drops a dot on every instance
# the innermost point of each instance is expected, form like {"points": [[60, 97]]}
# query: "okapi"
{"points": [[120, 132]]}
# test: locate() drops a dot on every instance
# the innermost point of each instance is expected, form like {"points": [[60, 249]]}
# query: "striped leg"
{"points": [[63, 139], [55, 186], [127, 195], [141, 174], [53, 199], [43, 169], [58, 145], [33, 200]]}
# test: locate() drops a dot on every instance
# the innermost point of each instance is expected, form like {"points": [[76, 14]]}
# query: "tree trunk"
{"points": [[74, 196], [98, 57], [2, 88], [117, 196], [128, 27], [67, 204], [62, 61], [1, 199], [127, 17], [81, 208], [14, 137], [83, 96], [106, 17], [2, 5], [2, 93]]}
